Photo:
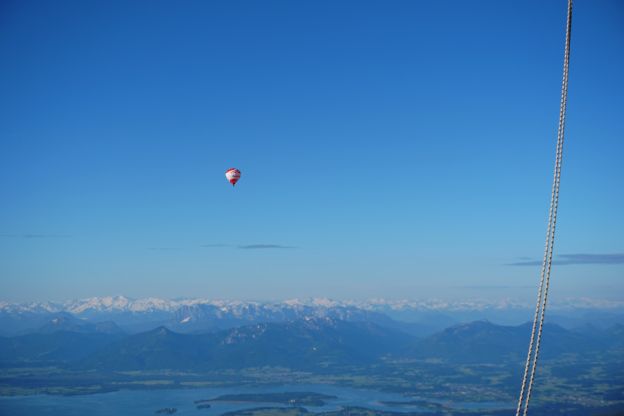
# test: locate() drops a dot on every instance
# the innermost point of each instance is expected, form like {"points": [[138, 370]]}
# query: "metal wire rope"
{"points": [[542, 293]]}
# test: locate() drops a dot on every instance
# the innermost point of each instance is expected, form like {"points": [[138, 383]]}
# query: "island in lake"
{"points": [[166, 411], [289, 398]]}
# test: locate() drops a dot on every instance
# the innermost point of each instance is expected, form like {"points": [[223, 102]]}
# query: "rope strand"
{"points": [[542, 293]]}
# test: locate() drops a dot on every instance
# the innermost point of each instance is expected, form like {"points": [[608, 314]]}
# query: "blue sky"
{"points": [[398, 149]]}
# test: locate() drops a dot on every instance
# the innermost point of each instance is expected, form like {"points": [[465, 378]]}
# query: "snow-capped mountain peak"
{"points": [[313, 306]]}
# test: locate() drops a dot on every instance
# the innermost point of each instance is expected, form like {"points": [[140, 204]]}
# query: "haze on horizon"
{"points": [[397, 151]]}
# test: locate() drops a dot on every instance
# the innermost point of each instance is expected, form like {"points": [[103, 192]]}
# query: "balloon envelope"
{"points": [[232, 175]]}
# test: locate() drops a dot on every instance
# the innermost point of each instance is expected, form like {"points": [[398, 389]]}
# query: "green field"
{"points": [[568, 383]]}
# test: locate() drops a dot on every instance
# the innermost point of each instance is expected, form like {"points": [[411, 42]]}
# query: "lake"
{"points": [[146, 402]]}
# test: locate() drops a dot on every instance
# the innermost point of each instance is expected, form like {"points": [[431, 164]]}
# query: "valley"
{"points": [[466, 368]]}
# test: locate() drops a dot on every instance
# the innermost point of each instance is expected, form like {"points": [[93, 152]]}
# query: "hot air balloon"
{"points": [[232, 175]]}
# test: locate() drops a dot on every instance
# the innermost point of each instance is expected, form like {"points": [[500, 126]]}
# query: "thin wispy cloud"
{"points": [[34, 235], [263, 246], [250, 246], [494, 287], [578, 258]]}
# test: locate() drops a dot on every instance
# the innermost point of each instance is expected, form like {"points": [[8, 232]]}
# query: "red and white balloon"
{"points": [[232, 175]]}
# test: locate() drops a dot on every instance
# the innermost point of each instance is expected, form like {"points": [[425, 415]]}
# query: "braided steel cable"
{"points": [[542, 294]]}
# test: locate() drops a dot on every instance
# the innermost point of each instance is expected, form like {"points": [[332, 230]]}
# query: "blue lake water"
{"points": [[146, 402]]}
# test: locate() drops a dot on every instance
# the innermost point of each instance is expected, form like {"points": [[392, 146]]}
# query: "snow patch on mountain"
{"points": [[314, 306]]}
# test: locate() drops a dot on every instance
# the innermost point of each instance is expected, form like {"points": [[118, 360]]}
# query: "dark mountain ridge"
{"points": [[314, 344], [483, 341], [57, 348], [69, 323]]}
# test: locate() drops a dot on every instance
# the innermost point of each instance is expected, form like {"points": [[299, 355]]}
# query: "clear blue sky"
{"points": [[397, 149]]}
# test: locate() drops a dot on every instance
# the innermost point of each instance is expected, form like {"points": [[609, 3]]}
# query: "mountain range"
{"points": [[302, 344], [420, 318], [307, 344], [117, 333]]}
